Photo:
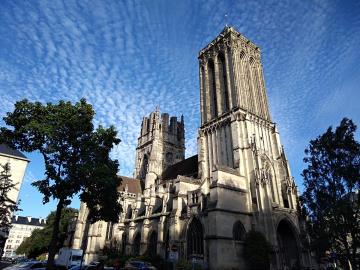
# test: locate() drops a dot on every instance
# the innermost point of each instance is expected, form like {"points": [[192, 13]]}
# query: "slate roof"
{"points": [[28, 221], [8, 151], [133, 185], [186, 167]]}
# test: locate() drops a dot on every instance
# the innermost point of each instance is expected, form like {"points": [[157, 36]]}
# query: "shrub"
{"points": [[257, 251]]}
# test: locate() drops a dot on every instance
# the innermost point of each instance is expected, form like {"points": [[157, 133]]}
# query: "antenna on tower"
{"points": [[226, 16]]}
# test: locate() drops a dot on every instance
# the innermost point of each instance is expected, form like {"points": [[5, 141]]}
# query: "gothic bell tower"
{"points": [[237, 135], [243, 168], [161, 143], [231, 86]]}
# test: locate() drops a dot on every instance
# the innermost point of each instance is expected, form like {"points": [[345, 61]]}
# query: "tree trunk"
{"points": [[55, 236]]}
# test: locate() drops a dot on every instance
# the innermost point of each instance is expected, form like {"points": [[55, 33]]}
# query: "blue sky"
{"points": [[127, 57]]}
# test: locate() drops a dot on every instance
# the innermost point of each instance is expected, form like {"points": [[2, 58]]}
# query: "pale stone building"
{"points": [[200, 208], [22, 227], [18, 163]]}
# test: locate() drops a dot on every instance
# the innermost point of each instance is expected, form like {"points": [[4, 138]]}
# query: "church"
{"points": [[200, 208]]}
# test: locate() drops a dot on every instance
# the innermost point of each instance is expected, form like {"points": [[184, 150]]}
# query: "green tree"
{"points": [[39, 240], [7, 205], [257, 251], [36, 244], [331, 182], [76, 157]]}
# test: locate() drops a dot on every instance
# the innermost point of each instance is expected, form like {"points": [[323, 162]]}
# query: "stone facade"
{"points": [[240, 180], [18, 163], [22, 227]]}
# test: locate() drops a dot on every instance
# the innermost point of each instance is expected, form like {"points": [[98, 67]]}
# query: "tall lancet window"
{"points": [[144, 167], [205, 104], [223, 82], [212, 88]]}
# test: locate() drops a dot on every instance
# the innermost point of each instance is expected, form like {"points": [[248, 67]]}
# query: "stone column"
{"points": [[209, 152], [160, 234], [215, 146], [202, 94], [132, 227], [144, 236], [202, 155], [207, 94], [262, 83]]}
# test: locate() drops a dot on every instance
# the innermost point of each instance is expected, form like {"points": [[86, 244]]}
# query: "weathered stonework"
{"points": [[240, 180]]}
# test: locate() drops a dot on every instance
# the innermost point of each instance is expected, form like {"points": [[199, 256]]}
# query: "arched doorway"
{"points": [[195, 240], [152, 247], [288, 247], [136, 244]]}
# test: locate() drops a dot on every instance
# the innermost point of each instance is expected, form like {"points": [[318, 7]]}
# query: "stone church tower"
{"points": [[241, 160], [160, 145], [200, 208]]}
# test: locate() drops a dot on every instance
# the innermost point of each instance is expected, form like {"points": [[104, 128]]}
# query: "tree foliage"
{"points": [[76, 157], [331, 182], [7, 205], [39, 240], [257, 251]]}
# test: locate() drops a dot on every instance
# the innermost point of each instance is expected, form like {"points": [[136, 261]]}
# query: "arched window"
{"points": [[152, 248], [136, 244], [242, 55], [239, 231], [128, 212], [223, 80], [269, 178], [204, 103], [144, 167], [169, 157], [212, 86], [195, 240]]}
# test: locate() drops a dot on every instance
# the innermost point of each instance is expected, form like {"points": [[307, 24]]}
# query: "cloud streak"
{"points": [[128, 57]]}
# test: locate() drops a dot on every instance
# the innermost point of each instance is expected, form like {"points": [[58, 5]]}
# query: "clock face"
{"points": [[169, 157]]}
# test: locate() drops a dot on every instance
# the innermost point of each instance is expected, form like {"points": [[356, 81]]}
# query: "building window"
{"points": [[212, 88], [136, 244], [223, 81], [144, 167], [153, 244], [239, 231], [195, 240], [169, 157], [128, 212]]}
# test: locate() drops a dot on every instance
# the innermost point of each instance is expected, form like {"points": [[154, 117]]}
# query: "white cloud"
{"points": [[127, 58]]}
